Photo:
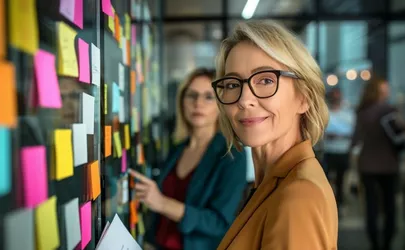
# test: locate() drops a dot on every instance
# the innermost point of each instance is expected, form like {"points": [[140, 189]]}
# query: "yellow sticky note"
{"points": [[47, 230], [111, 22], [23, 26], [63, 154], [127, 26], [141, 226], [117, 144], [67, 59], [127, 137], [105, 99]]}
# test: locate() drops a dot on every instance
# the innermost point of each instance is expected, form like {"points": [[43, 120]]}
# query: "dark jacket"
{"points": [[212, 198], [378, 156]]}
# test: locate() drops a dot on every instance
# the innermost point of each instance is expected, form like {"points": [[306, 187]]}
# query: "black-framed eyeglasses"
{"points": [[263, 84]]}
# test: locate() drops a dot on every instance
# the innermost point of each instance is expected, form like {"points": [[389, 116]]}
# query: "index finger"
{"points": [[139, 176]]}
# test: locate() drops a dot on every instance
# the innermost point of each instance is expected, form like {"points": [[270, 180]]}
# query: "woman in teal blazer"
{"points": [[194, 202]]}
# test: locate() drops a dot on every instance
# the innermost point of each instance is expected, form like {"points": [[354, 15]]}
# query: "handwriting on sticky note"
{"points": [[72, 223], [64, 155], [107, 7], [47, 230], [8, 100], [95, 65], [117, 144], [107, 141], [66, 51], [34, 175], [84, 63], [78, 18], [88, 103], [5, 161], [127, 137], [85, 224], [124, 161], [47, 85], [94, 172], [23, 25], [79, 144]]}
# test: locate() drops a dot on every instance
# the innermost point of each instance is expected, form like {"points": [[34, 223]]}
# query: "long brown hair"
{"points": [[371, 93]]}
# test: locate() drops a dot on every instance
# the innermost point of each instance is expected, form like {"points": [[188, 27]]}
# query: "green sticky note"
{"points": [[5, 161]]}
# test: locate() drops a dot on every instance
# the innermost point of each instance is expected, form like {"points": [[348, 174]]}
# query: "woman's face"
{"points": [[200, 108], [259, 121], [384, 91]]}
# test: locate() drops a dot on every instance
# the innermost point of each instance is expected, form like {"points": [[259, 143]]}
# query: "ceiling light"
{"points": [[365, 75], [351, 74], [332, 80], [249, 9]]}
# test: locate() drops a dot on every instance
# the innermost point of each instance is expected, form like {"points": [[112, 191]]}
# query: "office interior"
{"points": [[125, 59]]}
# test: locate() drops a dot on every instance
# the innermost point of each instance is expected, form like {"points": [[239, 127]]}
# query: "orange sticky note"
{"points": [[94, 173], [133, 82], [133, 213], [117, 28], [140, 156], [2, 30], [8, 102], [107, 141]]}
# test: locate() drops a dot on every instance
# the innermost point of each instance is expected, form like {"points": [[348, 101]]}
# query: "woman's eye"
{"points": [[232, 85], [266, 81]]}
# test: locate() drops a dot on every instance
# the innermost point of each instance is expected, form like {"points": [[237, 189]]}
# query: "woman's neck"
{"points": [[200, 137]]}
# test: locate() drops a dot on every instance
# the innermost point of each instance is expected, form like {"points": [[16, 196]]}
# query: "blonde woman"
{"points": [[199, 189], [271, 98]]}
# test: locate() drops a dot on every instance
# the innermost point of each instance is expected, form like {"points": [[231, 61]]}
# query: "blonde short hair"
{"points": [[182, 128], [282, 46]]}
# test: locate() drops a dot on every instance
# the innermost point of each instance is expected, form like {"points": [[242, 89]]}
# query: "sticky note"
{"points": [[127, 136], [111, 24], [133, 82], [67, 60], [23, 25], [124, 50], [95, 179], [140, 155], [85, 224], [117, 144], [141, 225], [122, 109], [79, 144], [133, 35], [124, 161], [63, 154], [95, 65], [117, 29], [67, 9], [128, 50], [84, 63], [105, 98], [107, 141], [47, 230], [121, 76], [133, 213], [116, 98], [107, 7], [47, 85], [3, 38], [78, 18], [16, 224], [127, 27], [72, 223], [88, 112], [5, 161], [34, 175], [8, 95]]}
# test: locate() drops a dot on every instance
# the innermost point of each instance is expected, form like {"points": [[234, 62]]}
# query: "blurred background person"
{"points": [[200, 187], [337, 142], [378, 161]]}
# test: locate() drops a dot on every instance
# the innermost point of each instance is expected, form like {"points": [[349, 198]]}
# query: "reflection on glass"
{"points": [[70, 91]]}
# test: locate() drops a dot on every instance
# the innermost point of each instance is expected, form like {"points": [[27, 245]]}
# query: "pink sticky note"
{"points": [[67, 9], [34, 175], [78, 20], [107, 7], [133, 35], [47, 92], [85, 224], [84, 62], [124, 161]]}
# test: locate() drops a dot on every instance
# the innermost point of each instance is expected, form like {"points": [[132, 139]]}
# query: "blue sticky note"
{"points": [[5, 161], [116, 98]]}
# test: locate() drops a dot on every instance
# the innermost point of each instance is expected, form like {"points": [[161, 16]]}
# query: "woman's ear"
{"points": [[303, 105]]}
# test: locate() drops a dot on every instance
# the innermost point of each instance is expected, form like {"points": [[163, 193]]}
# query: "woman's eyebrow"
{"points": [[261, 68]]}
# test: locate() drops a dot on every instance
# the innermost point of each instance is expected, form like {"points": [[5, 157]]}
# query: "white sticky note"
{"points": [[124, 50], [125, 194], [19, 225], [72, 223], [79, 144], [121, 76], [122, 110], [95, 65], [88, 112]]}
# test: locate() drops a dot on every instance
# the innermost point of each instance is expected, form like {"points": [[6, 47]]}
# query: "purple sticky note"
{"points": [[34, 175], [47, 92], [124, 161], [85, 224], [84, 62], [133, 35], [78, 20], [107, 7], [67, 9]]}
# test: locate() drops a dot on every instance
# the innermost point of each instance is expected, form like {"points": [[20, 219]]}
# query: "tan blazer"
{"points": [[294, 208]]}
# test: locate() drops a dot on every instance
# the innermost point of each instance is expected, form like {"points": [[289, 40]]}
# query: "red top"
{"points": [[168, 236]]}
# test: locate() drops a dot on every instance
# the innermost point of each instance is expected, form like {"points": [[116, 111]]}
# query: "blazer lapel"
{"points": [[171, 163]]}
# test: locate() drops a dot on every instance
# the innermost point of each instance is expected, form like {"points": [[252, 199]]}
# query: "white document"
{"points": [[121, 76], [88, 112], [72, 223], [117, 237], [79, 144], [107, 225], [95, 65]]}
